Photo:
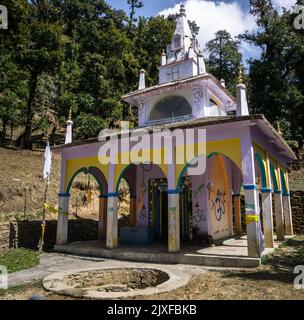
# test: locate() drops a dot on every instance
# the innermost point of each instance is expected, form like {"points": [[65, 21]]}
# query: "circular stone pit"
{"points": [[114, 283]]}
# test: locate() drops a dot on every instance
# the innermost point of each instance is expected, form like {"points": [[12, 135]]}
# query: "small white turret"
{"points": [[223, 83], [69, 129], [163, 59], [242, 104], [142, 80]]}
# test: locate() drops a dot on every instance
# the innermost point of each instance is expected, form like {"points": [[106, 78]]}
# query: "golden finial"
{"points": [[240, 78], [70, 114]]}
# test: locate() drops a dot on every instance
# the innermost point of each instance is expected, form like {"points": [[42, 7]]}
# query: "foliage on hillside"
{"points": [[78, 55], [83, 55]]}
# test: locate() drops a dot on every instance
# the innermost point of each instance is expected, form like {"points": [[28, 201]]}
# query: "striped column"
{"points": [[287, 214], [112, 221], [267, 217], [254, 233], [173, 221], [62, 222], [279, 217]]}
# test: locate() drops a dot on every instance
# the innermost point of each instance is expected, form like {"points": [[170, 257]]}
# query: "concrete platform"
{"points": [[232, 253]]}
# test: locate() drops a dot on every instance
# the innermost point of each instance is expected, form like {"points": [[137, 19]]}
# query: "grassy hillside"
{"points": [[22, 185], [22, 188]]}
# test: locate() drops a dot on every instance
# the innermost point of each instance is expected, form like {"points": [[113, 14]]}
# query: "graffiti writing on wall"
{"points": [[218, 205], [198, 191]]}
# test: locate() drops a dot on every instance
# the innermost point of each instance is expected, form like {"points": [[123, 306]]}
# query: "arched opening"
{"points": [[87, 206], [261, 170], [211, 196], [144, 214], [170, 107]]}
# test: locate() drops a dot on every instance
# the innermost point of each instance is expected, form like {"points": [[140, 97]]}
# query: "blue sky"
{"points": [[152, 7]]}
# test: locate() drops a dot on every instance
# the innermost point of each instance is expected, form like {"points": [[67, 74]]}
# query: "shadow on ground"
{"points": [[278, 266]]}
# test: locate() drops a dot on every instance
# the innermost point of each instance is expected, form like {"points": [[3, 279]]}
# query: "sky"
{"points": [[210, 16]]}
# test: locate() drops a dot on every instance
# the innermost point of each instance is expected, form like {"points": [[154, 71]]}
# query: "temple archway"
{"points": [[87, 190]]}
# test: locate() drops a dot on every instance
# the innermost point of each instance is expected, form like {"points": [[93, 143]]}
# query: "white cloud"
{"points": [[212, 16], [287, 4]]}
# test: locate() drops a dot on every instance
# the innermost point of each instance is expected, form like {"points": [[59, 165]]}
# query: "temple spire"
{"points": [[183, 58]]}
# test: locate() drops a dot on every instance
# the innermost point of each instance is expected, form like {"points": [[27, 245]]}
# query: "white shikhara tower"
{"points": [[185, 90], [184, 58]]}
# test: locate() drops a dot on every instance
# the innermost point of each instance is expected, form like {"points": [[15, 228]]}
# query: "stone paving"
{"points": [[54, 263]]}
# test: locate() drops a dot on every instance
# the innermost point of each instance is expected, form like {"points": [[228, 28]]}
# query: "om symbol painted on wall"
{"points": [[218, 205], [199, 215], [198, 95]]}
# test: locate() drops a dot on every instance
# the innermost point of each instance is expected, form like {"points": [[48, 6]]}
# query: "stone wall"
{"points": [[26, 234], [297, 208]]}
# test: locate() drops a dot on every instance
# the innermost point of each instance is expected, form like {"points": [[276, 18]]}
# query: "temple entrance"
{"points": [[158, 209], [158, 202]]}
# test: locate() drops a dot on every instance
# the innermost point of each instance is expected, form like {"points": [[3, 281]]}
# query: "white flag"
{"points": [[47, 161]]}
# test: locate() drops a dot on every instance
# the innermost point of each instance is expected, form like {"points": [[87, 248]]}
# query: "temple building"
{"points": [[244, 155]]}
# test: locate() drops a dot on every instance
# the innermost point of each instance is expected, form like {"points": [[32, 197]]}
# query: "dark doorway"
{"points": [[158, 210]]}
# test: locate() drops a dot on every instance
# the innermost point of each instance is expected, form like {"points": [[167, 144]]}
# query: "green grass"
{"points": [[21, 288], [289, 254], [19, 259]]}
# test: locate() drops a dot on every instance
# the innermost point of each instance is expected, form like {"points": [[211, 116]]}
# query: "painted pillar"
{"points": [[112, 221], [237, 213], [253, 225], [287, 214], [112, 210], [279, 217], [173, 222], [267, 217], [173, 205], [62, 223], [102, 222]]}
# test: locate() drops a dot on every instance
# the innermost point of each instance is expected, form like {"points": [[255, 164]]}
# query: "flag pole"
{"points": [[46, 176]]}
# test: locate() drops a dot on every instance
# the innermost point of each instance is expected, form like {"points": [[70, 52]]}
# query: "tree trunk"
{"points": [[25, 140], [3, 133]]}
